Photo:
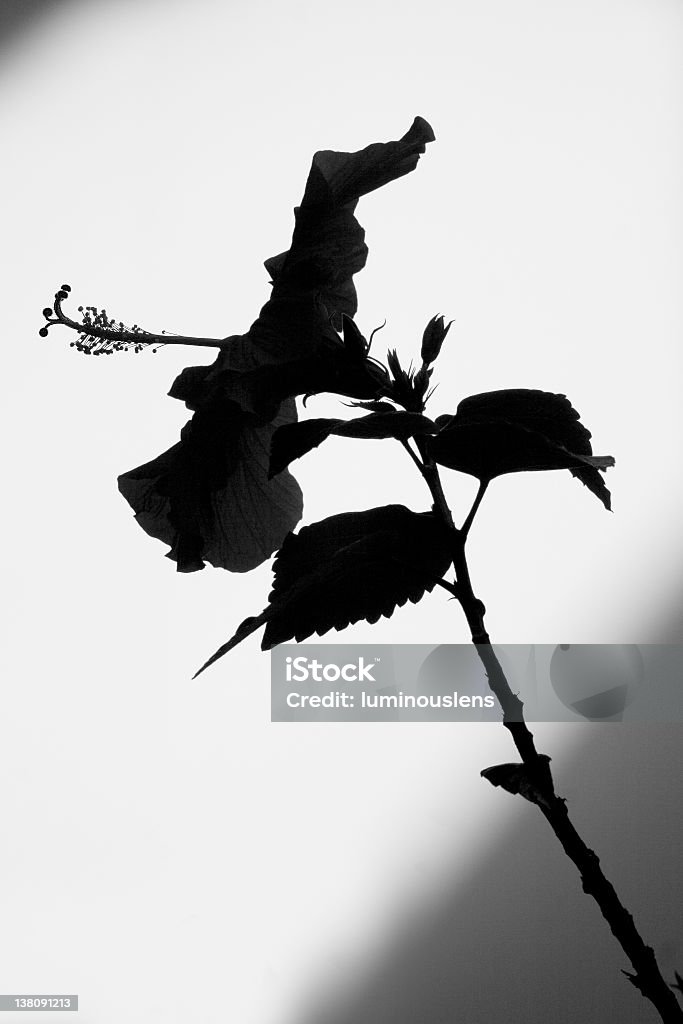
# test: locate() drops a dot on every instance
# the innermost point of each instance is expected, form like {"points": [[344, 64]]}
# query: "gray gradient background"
{"points": [[167, 852]]}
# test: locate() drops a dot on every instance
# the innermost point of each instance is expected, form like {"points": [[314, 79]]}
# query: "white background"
{"points": [[167, 852]]}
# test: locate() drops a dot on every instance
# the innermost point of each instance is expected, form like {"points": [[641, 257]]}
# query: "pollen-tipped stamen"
{"points": [[100, 334]]}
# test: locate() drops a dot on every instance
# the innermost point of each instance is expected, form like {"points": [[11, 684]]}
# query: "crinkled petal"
{"points": [[209, 497], [313, 280]]}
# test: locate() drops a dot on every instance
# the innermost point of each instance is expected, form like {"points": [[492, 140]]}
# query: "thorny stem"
{"points": [[647, 977]]}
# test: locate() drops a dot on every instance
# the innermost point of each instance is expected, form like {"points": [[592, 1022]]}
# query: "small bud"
{"points": [[421, 382], [394, 364], [66, 287], [43, 332], [61, 294], [433, 339], [47, 312]]}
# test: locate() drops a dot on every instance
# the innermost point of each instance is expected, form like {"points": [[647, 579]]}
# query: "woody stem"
{"points": [[647, 977]]}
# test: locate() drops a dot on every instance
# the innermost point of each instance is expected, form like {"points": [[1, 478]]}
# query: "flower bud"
{"points": [[421, 383], [433, 338], [394, 365]]}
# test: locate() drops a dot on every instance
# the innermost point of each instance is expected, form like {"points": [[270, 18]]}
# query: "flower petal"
{"points": [[209, 496], [312, 283], [328, 245]]}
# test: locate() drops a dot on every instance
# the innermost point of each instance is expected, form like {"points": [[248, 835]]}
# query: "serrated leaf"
{"points": [[353, 566], [296, 439], [399, 425], [516, 431], [245, 629]]}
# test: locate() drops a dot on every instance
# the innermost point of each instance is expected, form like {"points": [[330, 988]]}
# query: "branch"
{"points": [[533, 778], [413, 456], [538, 786], [430, 472]]}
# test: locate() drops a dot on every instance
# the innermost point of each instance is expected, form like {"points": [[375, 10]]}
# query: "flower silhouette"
{"points": [[210, 497]]}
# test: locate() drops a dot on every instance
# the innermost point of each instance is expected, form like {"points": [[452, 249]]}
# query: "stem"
{"points": [[465, 528], [647, 977], [412, 455], [430, 472], [450, 587]]}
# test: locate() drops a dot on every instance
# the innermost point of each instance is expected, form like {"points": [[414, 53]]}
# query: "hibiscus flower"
{"points": [[210, 497]]}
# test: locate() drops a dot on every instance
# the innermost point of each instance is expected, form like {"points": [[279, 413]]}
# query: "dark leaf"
{"points": [[521, 780], [518, 430], [373, 406], [353, 566], [401, 425], [294, 440], [245, 629]]}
